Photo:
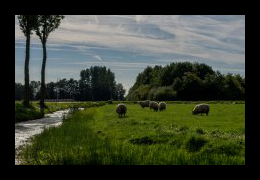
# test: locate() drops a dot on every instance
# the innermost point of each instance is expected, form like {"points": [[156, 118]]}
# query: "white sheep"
{"points": [[201, 108], [154, 105], [144, 104], [121, 109], [162, 106]]}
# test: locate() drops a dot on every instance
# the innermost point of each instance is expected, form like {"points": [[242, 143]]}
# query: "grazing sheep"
{"points": [[121, 109], [201, 108], [162, 106], [154, 105], [144, 104]]}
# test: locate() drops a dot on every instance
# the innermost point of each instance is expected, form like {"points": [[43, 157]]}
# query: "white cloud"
{"points": [[200, 36], [98, 57], [211, 37]]}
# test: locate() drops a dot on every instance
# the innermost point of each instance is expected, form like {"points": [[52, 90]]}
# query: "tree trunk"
{"points": [[26, 73], [43, 86]]}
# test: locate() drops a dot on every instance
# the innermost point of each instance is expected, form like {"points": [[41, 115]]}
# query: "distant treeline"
{"points": [[95, 84], [186, 81]]}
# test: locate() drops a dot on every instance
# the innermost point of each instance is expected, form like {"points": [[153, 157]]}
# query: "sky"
{"points": [[127, 44]]}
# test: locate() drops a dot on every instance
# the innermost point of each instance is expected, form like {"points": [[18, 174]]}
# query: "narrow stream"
{"points": [[26, 130]]}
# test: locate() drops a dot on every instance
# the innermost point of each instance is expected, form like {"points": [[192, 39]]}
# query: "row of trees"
{"points": [[95, 84], [42, 25], [186, 81], [98, 83], [34, 91]]}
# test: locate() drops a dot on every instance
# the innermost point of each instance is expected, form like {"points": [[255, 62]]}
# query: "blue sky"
{"points": [[127, 44]]}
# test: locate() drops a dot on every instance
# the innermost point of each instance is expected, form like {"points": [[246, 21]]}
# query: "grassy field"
{"points": [[25, 114], [144, 137]]}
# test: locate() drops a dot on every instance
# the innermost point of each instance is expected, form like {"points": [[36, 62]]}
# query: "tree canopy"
{"points": [[47, 24], [28, 23], [186, 81]]}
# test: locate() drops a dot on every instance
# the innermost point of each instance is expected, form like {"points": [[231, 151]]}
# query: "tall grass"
{"points": [[98, 137], [24, 114]]}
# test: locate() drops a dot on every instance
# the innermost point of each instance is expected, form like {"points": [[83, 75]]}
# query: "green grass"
{"points": [[25, 114], [144, 137]]}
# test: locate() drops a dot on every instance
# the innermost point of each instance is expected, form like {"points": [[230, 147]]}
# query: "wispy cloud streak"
{"points": [[147, 39]]}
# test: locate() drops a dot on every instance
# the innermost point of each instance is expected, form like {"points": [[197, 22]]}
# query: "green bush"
{"points": [[162, 94]]}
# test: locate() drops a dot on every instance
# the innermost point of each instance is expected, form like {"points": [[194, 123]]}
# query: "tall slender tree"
{"points": [[27, 25], [45, 25]]}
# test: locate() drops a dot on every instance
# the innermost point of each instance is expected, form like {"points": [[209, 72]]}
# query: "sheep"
{"points": [[121, 109], [162, 106], [144, 104], [154, 105], [201, 108]]}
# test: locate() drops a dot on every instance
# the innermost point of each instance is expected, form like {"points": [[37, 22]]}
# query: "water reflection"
{"points": [[25, 130]]}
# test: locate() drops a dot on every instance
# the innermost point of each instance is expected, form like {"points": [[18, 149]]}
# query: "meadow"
{"points": [[97, 136]]}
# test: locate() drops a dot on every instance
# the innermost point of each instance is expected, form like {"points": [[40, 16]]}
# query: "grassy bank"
{"points": [[98, 136], [25, 114]]}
